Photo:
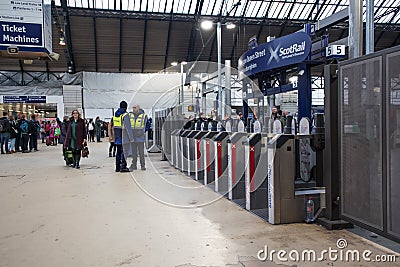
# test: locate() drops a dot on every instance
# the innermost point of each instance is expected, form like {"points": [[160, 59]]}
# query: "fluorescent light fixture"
{"points": [[62, 41], [230, 26], [206, 25], [293, 79], [174, 63], [183, 62], [300, 72]]}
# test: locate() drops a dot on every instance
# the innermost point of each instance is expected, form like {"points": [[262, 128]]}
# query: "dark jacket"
{"points": [[64, 129], [125, 135], [80, 131], [6, 124]]}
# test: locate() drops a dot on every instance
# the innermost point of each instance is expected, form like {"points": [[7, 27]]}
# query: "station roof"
{"points": [[147, 35]]}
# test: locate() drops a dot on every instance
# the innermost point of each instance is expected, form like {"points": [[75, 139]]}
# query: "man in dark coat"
{"points": [[123, 136]]}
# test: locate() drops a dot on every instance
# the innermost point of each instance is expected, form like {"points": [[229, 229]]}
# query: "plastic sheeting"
{"points": [[36, 83], [107, 90]]}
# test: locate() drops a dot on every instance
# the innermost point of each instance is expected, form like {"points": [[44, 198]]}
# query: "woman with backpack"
{"points": [[75, 139]]}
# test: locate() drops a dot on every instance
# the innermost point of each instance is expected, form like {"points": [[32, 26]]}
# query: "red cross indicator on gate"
{"points": [[219, 144], [233, 146], [251, 148]]}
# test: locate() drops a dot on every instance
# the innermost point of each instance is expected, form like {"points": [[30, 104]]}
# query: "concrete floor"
{"points": [[52, 215]]}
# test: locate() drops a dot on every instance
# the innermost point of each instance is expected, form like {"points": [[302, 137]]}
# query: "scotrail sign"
{"points": [[26, 24], [284, 51]]}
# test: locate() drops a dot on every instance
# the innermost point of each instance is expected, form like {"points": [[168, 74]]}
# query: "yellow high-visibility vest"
{"points": [[118, 120], [138, 123]]}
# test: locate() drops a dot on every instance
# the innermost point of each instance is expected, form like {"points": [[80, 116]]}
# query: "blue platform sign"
{"points": [[24, 99], [288, 50]]}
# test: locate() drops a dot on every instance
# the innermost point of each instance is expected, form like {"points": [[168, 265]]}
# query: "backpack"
{"points": [[3, 125], [34, 126], [57, 131], [24, 127]]}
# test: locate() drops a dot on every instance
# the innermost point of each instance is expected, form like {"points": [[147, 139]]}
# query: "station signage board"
{"points": [[26, 25], [288, 50], [24, 99]]}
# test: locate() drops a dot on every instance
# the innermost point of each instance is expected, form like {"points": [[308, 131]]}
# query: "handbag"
{"points": [[85, 152]]}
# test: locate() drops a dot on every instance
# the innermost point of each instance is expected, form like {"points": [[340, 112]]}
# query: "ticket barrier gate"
{"points": [[221, 162], [183, 151], [286, 196], [199, 165], [208, 159], [191, 147], [236, 168], [174, 147], [256, 186]]}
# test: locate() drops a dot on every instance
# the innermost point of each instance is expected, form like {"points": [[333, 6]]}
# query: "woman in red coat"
{"points": [[76, 137]]}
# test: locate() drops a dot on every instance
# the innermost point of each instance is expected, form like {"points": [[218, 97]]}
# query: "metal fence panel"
{"points": [[361, 141], [393, 102]]}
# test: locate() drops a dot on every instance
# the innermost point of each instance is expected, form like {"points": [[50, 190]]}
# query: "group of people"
{"points": [[126, 133], [97, 128], [18, 134], [127, 137]]}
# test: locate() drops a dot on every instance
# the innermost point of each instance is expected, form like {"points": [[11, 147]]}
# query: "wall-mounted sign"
{"points": [[284, 51], [26, 24], [335, 51], [24, 99]]}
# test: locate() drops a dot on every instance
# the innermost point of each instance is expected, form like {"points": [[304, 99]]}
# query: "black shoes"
{"points": [[109, 154], [124, 170], [143, 168]]}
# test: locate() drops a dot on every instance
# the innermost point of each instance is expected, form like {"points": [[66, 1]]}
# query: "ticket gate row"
{"points": [[255, 170]]}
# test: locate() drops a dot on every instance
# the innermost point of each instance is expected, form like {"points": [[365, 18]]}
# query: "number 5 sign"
{"points": [[335, 51]]}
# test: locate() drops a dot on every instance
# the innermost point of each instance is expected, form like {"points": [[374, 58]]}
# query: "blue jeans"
{"points": [[98, 135], [4, 137], [11, 147]]}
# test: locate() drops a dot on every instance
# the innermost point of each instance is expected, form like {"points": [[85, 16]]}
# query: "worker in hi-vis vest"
{"points": [[138, 121], [122, 136]]}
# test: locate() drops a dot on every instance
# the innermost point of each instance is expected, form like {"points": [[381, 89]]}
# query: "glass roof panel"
{"points": [[262, 11], [193, 7], [298, 11], [282, 9], [279, 9], [136, 6], [251, 9], [215, 7], [273, 9], [186, 6], [167, 7]]}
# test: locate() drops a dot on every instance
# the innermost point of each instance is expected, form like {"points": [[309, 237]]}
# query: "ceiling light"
{"points": [[230, 26], [293, 79], [183, 62], [174, 63], [206, 24]]}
